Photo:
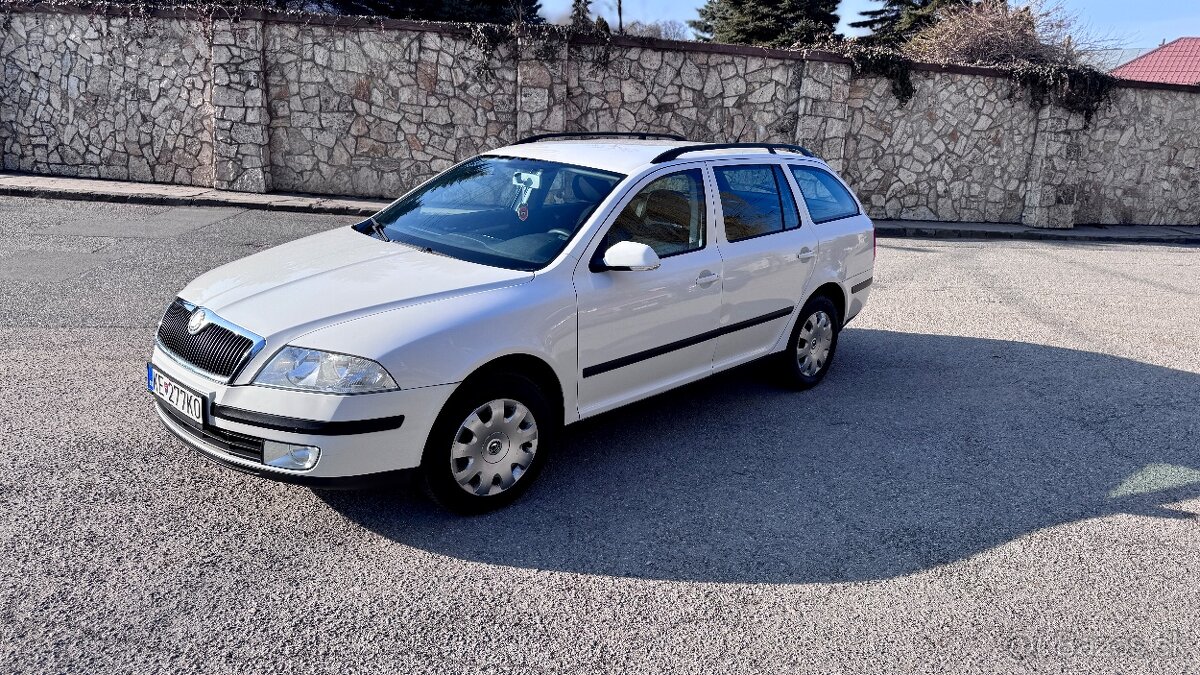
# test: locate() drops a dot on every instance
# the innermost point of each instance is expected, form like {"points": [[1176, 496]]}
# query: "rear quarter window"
{"points": [[825, 196]]}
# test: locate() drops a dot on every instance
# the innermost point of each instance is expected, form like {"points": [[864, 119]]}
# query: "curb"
{"points": [[294, 205], [1031, 234]]}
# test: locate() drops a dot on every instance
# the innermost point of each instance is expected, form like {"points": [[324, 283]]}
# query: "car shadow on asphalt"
{"points": [[917, 450]]}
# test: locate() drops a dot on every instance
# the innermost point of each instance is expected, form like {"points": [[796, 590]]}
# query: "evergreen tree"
{"points": [[771, 23], [530, 11], [581, 13], [897, 20], [883, 21]]}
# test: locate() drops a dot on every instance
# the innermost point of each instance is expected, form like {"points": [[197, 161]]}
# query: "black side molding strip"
{"points": [[297, 425], [859, 287], [684, 343]]}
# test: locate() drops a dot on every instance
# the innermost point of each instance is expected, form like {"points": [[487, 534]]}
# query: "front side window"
{"points": [[827, 199], [667, 215], [501, 211], [755, 200]]}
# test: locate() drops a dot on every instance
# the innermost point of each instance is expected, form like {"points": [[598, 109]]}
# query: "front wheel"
{"points": [[488, 444], [812, 345]]}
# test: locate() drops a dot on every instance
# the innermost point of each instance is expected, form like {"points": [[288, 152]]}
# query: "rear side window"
{"points": [[755, 200], [826, 198]]}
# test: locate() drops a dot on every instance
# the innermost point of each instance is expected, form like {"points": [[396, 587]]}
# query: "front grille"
{"points": [[213, 349], [238, 445]]}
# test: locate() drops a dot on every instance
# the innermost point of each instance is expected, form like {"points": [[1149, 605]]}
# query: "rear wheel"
{"points": [[812, 345], [489, 443]]}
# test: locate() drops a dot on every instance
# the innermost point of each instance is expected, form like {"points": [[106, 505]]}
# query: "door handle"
{"points": [[805, 253], [707, 279]]}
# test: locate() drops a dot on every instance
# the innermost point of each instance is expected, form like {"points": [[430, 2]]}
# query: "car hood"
{"points": [[333, 277]]}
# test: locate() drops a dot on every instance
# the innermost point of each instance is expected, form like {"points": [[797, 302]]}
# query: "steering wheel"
{"points": [[560, 232]]}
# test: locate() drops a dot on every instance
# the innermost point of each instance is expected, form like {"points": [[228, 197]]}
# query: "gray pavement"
{"points": [[1001, 473]]}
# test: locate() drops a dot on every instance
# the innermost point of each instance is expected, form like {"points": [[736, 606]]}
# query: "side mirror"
{"points": [[631, 256]]}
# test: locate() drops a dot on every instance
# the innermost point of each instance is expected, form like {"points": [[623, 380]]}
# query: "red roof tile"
{"points": [[1174, 63]]}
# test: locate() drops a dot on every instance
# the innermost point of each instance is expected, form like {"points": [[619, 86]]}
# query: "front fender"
{"points": [[444, 341]]}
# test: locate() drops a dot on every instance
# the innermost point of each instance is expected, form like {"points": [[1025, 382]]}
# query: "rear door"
{"points": [[768, 256], [848, 247]]}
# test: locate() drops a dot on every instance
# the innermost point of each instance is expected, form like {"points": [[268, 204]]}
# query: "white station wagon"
{"points": [[457, 330]]}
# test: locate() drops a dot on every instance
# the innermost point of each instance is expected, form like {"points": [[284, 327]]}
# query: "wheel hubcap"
{"points": [[814, 343], [494, 447]]}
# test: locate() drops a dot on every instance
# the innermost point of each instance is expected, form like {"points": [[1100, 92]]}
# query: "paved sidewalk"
{"points": [[27, 185], [1144, 234], [86, 189]]}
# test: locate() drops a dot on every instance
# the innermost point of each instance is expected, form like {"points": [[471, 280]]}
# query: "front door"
{"points": [[642, 332]]}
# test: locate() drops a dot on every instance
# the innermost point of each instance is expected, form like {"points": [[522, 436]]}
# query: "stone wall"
{"points": [[79, 98], [240, 107], [372, 112], [703, 96], [960, 150], [1139, 162], [349, 106]]}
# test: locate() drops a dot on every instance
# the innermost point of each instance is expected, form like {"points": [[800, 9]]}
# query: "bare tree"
{"points": [[995, 32], [666, 30]]}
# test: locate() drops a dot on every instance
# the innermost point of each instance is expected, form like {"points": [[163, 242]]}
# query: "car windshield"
{"points": [[501, 211]]}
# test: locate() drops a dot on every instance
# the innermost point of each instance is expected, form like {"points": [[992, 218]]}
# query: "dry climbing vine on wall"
{"points": [[878, 62], [139, 14], [1078, 89], [546, 40]]}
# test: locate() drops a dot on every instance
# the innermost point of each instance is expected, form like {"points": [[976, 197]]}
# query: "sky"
{"points": [[1152, 22]]}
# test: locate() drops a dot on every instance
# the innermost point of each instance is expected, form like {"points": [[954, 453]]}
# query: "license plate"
{"points": [[187, 402]]}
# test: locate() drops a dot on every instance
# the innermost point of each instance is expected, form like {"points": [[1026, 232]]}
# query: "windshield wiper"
{"points": [[423, 248], [377, 229]]}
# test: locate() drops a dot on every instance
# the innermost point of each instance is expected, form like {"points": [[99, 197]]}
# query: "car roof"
{"points": [[621, 156]]}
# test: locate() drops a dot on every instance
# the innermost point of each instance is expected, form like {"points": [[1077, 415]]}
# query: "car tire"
{"points": [[489, 443], [812, 345]]}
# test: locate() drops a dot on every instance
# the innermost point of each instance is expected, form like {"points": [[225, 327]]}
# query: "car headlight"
{"points": [[329, 372]]}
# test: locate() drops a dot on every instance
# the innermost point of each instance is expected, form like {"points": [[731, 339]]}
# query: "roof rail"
{"points": [[674, 153], [642, 135]]}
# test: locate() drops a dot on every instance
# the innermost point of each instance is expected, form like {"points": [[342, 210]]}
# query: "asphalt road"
{"points": [[1002, 472]]}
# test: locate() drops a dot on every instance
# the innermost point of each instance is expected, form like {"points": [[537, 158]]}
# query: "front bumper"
{"points": [[215, 448], [359, 436]]}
